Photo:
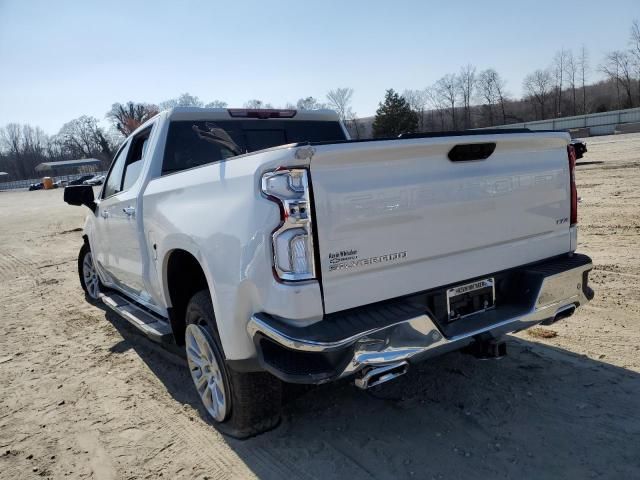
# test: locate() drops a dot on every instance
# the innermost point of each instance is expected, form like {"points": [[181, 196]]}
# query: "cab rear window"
{"points": [[194, 143]]}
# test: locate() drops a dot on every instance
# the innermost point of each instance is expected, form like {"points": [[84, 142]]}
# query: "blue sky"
{"points": [[60, 60]]}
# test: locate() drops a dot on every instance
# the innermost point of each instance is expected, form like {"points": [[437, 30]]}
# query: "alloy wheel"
{"points": [[206, 372], [91, 280]]}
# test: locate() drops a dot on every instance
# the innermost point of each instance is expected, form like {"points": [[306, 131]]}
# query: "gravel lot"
{"points": [[82, 395]]}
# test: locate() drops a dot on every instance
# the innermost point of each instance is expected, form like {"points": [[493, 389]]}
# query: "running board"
{"points": [[151, 325]]}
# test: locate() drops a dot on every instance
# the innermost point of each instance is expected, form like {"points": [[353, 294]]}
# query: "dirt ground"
{"points": [[82, 395]]}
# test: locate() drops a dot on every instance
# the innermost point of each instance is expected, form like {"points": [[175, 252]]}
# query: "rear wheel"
{"points": [[240, 404], [88, 275]]}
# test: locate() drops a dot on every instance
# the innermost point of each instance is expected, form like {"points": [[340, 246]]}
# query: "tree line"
{"points": [[23, 147], [470, 98], [475, 98]]}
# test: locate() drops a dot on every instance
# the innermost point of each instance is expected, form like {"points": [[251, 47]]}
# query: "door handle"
{"points": [[104, 214], [130, 211]]}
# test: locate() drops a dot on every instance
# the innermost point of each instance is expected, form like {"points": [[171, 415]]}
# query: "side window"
{"points": [[114, 178], [135, 159]]}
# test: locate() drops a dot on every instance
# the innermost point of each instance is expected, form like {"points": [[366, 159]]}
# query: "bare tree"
{"points": [[635, 52], [11, 139], [184, 100], [83, 138], [216, 104], [617, 67], [25, 147], [558, 69], [34, 146], [129, 116], [438, 107], [447, 88], [418, 101], [339, 100], [635, 39], [466, 85], [188, 100], [488, 92], [309, 103], [571, 69], [257, 104], [34, 140], [500, 87], [538, 86], [583, 65], [613, 73]]}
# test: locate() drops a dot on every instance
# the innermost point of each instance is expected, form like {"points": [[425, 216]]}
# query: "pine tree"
{"points": [[394, 116]]}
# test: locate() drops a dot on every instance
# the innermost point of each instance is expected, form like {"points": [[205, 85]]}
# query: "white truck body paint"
{"points": [[453, 221]]}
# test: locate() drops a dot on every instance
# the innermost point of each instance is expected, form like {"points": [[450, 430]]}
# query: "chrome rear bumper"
{"points": [[553, 291]]}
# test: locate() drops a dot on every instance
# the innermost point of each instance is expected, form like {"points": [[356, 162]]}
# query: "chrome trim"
{"points": [[490, 280], [568, 308], [379, 375], [257, 325], [419, 337]]}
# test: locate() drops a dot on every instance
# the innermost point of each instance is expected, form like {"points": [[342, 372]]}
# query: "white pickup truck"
{"points": [[277, 250]]}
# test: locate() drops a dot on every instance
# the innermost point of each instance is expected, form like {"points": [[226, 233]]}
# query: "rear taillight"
{"points": [[293, 257], [572, 184], [262, 113]]}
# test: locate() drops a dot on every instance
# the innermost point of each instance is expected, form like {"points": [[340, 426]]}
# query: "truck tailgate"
{"points": [[397, 216]]}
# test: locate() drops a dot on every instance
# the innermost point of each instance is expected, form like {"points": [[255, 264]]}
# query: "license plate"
{"points": [[471, 298]]}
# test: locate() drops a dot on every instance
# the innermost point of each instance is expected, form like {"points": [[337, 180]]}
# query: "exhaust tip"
{"points": [[564, 312], [379, 375]]}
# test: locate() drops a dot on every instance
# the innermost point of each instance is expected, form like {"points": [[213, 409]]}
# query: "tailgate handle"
{"points": [[465, 152]]}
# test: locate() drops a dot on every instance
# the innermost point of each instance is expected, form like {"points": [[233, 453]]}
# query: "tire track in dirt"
{"points": [[631, 275], [221, 459], [227, 461], [12, 266]]}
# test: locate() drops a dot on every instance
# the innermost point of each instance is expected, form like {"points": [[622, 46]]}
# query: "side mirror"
{"points": [[80, 195]]}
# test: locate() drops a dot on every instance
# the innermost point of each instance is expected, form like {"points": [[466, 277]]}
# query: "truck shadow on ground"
{"points": [[540, 412]]}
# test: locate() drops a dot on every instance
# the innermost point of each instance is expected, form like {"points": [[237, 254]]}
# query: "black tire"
{"points": [[84, 251], [255, 397]]}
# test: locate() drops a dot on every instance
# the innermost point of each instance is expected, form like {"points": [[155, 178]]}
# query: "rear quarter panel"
{"points": [[217, 213]]}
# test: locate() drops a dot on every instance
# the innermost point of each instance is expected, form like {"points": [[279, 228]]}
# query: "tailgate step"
{"points": [[154, 327]]}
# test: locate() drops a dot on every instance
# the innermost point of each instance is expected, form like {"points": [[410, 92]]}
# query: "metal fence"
{"points": [[16, 184], [598, 123]]}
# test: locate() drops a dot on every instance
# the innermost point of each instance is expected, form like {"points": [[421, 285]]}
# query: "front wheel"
{"points": [[88, 275], [240, 404]]}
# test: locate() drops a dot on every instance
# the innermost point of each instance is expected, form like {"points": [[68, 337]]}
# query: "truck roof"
{"points": [[196, 113]]}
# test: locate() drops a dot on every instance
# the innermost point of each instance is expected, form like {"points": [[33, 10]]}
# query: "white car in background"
{"points": [[96, 180]]}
